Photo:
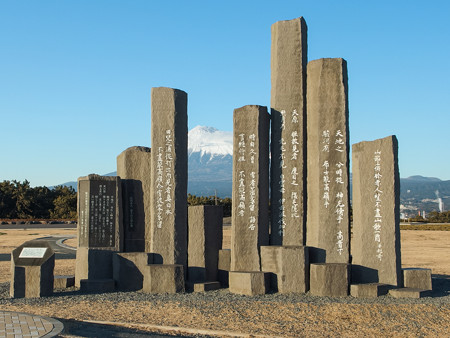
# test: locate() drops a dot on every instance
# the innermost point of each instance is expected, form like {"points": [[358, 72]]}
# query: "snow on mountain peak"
{"points": [[211, 141]]}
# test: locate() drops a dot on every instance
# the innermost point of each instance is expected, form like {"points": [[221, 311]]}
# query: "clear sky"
{"points": [[75, 76]]}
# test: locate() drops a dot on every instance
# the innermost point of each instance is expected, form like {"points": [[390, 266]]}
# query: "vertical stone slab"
{"points": [[376, 212], [134, 169], [100, 212], [288, 107], [328, 225], [205, 240], [250, 226], [169, 132]]}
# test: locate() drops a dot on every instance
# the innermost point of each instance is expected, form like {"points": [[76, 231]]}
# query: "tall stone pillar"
{"points": [[288, 106], [134, 169], [250, 226], [328, 225], [168, 242], [376, 212]]}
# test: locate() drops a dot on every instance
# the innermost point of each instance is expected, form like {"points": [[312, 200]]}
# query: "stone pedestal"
{"points": [[129, 269], [100, 212], [376, 212], [329, 279], [328, 225], [369, 290], [224, 266], [32, 266], [409, 293], [63, 282], [203, 286], [205, 240], [288, 106], [163, 278], [417, 278], [289, 265], [168, 239], [250, 224], [134, 168], [93, 264], [250, 283]]}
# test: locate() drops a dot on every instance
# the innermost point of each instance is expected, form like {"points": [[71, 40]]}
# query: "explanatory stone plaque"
{"points": [[32, 252]]}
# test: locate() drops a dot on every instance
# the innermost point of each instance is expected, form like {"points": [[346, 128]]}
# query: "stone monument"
{"points": [[288, 106], [134, 169], [327, 162], [250, 226], [376, 212]]}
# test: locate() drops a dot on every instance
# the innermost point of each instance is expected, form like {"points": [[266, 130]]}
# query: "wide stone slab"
{"points": [[376, 255], [249, 222], [417, 278], [329, 279], [288, 107], [328, 205], [369, 290], [168, 238], [203, 286], [163, 278], [97, 285], [409, 293], [250, 283], [134, 169]]}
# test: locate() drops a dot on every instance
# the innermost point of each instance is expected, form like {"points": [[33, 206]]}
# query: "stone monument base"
{"points": [[163, 278], [129, 269], [203, 286], [417, 278], [97, 285], [329, 279], [409, 293], [250, 283], [93, 264], [369, 290]]}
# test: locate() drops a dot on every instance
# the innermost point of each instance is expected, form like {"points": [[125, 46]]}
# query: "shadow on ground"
{"points": [[441, 285]]}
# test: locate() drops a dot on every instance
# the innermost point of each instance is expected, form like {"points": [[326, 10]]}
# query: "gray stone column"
{"points": [[250, 226], [288, 106], [328, 225], [376, 212], [134, 168], [168, 242]]}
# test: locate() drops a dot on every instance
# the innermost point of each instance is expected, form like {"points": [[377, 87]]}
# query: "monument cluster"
{"points": [[291, 200]]}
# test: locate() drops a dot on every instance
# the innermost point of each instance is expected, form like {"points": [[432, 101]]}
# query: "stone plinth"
{"points": [[224, 266], [168, 238], [134, 168], [93, 264], [329, 279], [100, 212], [203, 286], [290, 266], [250, 283], [163, 278], [129, 269], [376, 212], [369, 290], [249, 222], [63, 282], [205, 240], [32, 266], [97, 285], [417, 278], [288, 107], [409, 293], [327, 161]]}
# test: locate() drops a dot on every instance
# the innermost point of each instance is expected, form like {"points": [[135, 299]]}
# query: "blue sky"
{"points": [[75, 76]]}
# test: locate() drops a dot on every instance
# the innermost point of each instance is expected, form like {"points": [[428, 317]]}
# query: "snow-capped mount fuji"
{"points": [[210, 161]]}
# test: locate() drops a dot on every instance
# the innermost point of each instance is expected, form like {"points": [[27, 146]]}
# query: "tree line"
{"points": [[433, 217], [18, 200]]}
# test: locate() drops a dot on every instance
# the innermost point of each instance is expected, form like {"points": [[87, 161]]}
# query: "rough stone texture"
{"points": [[205, 240], [163, 278], [93, 264], [168, 239], [129, 269], [63, 282], [224, 266], [288, 107], [97, 285], [289, 265], [329, 279], [32, 276], [376, 212], [409, 293], [249, 222], [417, 278], [328, 225], [134, 168], [203, 287], [250, 283], [369, 290], [100, 212]]}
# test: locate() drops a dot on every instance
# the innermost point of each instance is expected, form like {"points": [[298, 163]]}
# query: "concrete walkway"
{"points": [[16, 324]]}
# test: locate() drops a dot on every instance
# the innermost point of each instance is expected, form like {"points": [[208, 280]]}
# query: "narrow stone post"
{"points": [[134, 169], [288, 106], [376, 212], [250, 226], [328, 225], [168, 242]]}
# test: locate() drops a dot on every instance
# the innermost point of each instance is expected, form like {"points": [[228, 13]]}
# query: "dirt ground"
{"points": [[428, 249]]}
